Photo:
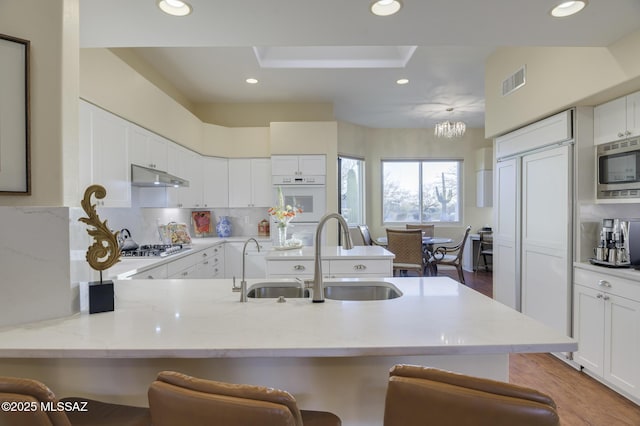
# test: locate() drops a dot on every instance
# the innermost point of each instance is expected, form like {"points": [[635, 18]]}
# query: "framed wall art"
{"points": [[15, 170]]}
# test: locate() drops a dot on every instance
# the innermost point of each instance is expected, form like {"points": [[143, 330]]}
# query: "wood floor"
{"points": [[581, 400]]}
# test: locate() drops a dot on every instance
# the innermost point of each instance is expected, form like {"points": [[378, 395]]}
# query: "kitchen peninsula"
{"points": [[333, 356]]}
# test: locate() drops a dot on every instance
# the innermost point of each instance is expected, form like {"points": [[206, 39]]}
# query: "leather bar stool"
{"points": [[179, 399], [31, 393], [419, 396]]}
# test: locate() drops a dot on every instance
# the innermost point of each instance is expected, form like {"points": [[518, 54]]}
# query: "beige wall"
{"points": [[421, 144], [112, 84], [261, 114], [51, 80], [557, 78], [352, 140], [235, 142]]}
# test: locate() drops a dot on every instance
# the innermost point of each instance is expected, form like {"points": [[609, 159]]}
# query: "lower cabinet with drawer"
{"points": [[607, 327], [157, 273], [332, 268], [211, 262]]}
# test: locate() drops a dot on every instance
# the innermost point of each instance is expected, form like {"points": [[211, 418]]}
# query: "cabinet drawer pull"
{"points": [[150, 277], [204, 254], [185, 273], [299, 268], [360, 267], [205, 263], [600, 295], [604, 283], [605, 297]]}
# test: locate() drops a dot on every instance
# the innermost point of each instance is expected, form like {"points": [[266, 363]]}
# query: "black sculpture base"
{"points": [[100, 296]]}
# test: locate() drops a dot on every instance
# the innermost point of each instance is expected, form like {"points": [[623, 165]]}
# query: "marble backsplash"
{"points": [[590, 216], [143, 222]]}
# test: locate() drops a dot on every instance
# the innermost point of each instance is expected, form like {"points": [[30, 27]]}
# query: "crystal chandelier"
{"points": [[450, 129]]}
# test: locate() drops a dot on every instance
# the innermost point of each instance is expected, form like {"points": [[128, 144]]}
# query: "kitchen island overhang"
{"points": [[200, 327]]}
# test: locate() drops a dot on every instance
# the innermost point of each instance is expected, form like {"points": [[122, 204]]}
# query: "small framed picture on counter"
{"points": [[202, 225]]}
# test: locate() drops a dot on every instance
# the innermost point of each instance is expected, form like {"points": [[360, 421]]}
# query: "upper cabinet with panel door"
{"points": [[187, 165], [107, 135], [215, 191], [250, 182], [617, 119], [298, 165], [147, 149]]}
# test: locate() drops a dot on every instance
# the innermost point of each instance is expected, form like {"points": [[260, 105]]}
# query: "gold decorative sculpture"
{"points": [[104, 252]]}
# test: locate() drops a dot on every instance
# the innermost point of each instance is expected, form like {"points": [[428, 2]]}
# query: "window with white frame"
{"points": [[424, 191]]}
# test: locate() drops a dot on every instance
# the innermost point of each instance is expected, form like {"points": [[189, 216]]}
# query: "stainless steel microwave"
{"points": [[618, 173]]}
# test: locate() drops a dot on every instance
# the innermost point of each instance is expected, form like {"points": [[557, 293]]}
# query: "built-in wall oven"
{"points": [[618, 170], [307, 193]]}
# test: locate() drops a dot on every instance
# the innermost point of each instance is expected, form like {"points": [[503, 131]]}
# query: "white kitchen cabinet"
{"points": [[147, 149], [532, 242], [157, 273], [215, 191], [255, 263], [108, 137], [331, 268], [250, 182], [360, 268], [187, 165], [607, 327], [211, 262], [298, 165], [617, 119]]}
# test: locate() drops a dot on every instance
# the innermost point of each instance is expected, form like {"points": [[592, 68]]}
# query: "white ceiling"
{"points": [[208, 54]]}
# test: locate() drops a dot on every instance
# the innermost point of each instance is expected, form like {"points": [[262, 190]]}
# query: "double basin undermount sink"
{"points": [[349, 290]]}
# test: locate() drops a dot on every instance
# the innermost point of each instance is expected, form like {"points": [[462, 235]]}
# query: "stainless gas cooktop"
{"points": [[155, 250]]}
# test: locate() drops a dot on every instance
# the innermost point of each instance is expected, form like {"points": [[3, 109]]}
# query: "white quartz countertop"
{"points": [[204, 319], [331, 253], [628, 273]]}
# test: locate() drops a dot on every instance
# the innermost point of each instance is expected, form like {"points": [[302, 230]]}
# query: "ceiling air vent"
{"points": [[514, 81]]}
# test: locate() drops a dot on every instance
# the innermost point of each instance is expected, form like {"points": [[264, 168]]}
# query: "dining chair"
{"points": [[356, 236], [450, 256], [366, 236], [427, 230], [179, 399], [485, 248], [406, 245], [418, 396], [85, 412]]}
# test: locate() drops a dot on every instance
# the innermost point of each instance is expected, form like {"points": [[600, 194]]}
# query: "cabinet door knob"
{"points": [[605, 297], [150, 277], [604, 283], [359, 267], [299, 268], [620, 134], [627, 133], [600, 295]]}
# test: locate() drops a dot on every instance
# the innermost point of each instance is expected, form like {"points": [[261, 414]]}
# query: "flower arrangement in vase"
{"points": [[283, 214]]}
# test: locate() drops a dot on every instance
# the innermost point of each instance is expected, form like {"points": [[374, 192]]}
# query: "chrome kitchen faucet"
{"points": [[318, 283]]}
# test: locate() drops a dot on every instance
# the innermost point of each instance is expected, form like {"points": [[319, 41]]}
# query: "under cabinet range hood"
{"points": [[146, 177]]}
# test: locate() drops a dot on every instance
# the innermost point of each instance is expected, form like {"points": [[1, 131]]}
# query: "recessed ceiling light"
{"points": [[385, 7], [402, 81], [174, 7], [568, 8], [252, 81]]}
